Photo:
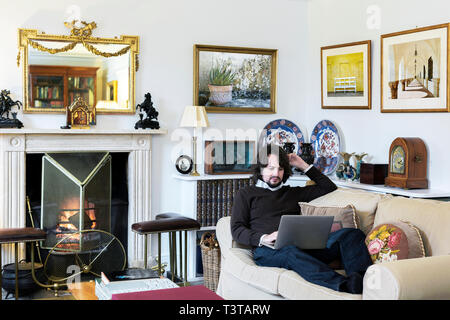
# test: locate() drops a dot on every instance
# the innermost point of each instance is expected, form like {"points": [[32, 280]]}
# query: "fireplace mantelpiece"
{"points": [[16, 143]]}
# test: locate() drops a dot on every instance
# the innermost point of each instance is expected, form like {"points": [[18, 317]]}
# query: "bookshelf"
{"points": [[56, 87]]}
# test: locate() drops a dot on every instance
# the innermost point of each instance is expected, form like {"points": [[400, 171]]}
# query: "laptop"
{"points": [[305, 232]]}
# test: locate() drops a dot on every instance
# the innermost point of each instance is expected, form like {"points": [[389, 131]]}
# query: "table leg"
{"points": [[1, 270], [185, 258], [16, 263], [145, 250], [159, 254]]}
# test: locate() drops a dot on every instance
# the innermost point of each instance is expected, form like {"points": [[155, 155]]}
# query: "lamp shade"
{"points": [[194, 117]]}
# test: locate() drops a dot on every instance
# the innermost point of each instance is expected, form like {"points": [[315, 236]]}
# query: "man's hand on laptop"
{"points": [[270, 238]]}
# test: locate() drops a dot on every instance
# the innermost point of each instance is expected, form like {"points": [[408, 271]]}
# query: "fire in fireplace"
{"points": [[76, 196]]}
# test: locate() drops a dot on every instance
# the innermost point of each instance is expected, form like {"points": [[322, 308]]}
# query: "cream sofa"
{"points": [[421, 278]]}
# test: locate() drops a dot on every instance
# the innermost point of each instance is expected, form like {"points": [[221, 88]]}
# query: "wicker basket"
{"points": [[211, 260]]}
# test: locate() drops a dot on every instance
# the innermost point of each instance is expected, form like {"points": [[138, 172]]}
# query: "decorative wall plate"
{"points": [[184, 164], [326, 145], [281, 131]]}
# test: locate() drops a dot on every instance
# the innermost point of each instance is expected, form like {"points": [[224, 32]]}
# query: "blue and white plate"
{"points": [[326, 145], [281, 131]]}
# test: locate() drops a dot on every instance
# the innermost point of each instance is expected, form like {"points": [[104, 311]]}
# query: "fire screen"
{"points": [[76, 196]]}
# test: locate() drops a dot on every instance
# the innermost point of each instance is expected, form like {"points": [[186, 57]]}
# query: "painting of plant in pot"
{"points": [[231, 79]]}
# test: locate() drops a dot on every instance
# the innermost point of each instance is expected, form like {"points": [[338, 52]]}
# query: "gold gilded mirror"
{"points": [[57, 69]]}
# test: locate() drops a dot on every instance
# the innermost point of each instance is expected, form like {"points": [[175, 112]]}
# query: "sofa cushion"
{"points": [[293, 286], [239, 262], [393, 241], [431, 217], [344, 217], [365, 204]]}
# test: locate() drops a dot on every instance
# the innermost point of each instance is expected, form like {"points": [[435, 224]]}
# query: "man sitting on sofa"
{"points": [[256, 215]]}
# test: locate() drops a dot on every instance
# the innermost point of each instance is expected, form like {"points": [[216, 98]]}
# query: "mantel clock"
{"points": [[407, 164]]}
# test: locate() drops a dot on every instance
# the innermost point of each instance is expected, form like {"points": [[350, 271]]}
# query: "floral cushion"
{"points": [[394, 241], [344, 217]]}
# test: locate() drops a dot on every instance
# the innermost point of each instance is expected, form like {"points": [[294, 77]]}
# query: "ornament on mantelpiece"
{"points": [[152, 115], [6, 103], [79, 115]]}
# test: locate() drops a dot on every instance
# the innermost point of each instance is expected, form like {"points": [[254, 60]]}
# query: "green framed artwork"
{"points": [[235, 79]]}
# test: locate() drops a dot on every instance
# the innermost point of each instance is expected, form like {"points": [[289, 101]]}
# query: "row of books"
{"points": [[48, 104], [215, 199], [81, 83], [46, 92]]}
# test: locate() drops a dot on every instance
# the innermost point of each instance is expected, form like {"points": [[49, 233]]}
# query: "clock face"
{"points": [[184, 164], [398, 160]]}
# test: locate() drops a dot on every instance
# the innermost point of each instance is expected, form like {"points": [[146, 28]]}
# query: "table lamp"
{"points": [[194, 117]]}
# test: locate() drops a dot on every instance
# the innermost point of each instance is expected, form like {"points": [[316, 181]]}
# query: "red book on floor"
{"points": [[198, 292]]}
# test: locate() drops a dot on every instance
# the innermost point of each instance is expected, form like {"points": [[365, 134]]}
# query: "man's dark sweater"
{"points": [[257, 211]]}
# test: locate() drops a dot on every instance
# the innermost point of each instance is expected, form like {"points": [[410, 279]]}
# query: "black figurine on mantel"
{"points": [[6, 104], [147, 107]]}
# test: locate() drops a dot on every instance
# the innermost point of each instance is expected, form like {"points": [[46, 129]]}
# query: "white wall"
{"points": [[336, 22], [168, 29]]}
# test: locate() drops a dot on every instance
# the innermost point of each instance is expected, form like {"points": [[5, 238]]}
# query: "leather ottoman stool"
{"points": [[171, 223]]}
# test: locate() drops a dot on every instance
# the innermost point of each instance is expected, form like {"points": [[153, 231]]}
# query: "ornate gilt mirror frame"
{"points": [[30, 39]]}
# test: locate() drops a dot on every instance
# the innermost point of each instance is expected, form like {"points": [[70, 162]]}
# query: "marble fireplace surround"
{"points": [[16, 143]]}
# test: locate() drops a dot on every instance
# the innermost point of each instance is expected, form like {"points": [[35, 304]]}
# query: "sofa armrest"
{"points": [[223, 234], [420, 278]]}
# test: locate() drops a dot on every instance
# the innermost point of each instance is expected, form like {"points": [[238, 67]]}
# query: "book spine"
{"points": [[204, 193], [219, 199], [199, 202], [209, 201], [229, 196], [214, 198]]}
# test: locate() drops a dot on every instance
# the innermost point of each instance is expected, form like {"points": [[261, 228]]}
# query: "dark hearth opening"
{"points": [[119, 197]]}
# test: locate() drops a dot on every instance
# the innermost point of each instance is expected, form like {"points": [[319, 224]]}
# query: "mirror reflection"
{"points": [[55, 80]]}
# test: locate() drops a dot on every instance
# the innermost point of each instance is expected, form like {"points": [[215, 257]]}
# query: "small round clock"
{"points": [[407, 164], [184, 164]]}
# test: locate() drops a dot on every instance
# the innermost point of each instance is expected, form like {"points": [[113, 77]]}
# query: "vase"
{"points": [[347, 171], [220, 95], [359, 158], [289, 147], [307, 153]]}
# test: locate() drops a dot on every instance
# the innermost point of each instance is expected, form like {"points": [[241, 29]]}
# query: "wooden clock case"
{"points": [[415, 173]]}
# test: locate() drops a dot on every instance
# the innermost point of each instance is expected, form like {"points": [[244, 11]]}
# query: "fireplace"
{"points": [[18, 146], [76, 195]]}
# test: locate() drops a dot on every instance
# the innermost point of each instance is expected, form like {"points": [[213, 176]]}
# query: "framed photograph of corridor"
{"points": [[414, 70], [346, 80]]}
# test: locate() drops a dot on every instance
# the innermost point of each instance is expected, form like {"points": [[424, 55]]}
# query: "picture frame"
{"points": [[229, 156], [235, 79], [111, 90], [346, 76], [414, 70]]}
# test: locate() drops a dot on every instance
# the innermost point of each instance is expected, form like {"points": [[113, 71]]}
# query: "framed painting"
{"points": [[414, 70], [346, 77], [229, 157], [235, 79]]}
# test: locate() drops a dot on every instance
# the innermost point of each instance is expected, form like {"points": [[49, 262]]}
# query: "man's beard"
{"points": [[274, 185]]}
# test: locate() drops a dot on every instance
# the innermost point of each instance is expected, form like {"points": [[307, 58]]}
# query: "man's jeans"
{"points": [[312, 265]]}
